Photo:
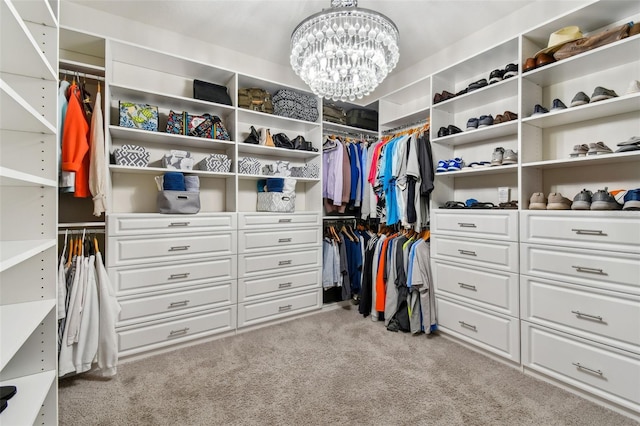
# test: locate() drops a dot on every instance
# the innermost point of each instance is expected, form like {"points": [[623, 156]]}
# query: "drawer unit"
{"points": [[251, 313], [607, 270], [604, 371], [493, 224], [501, 255], [493, 332], [615, 231], [176, 302], [269, 220], [155, 335], [145, 278], [604, 316], [487, 288], [261, 263], [153, 224], [261, 287], [135, 250], [274, 239]]}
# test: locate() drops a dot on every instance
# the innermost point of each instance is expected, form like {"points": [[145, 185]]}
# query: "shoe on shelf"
{"points": [[558, 202], [479, 164], [443, 132], [496, 76], [538, 201], [508, 115], [453, 129], [632, 200], [633, 140], [509, 157], [544, 59], [472, 123], [510, 70], [579, 150], [539, 110], [582, 200], [455, 165], [499, 119], [447, 95], [634, 87], [580, 98], [598, 148], [443, 166], [602, 200], [437, 98], [462, 92], [485, 120], [496, 157], [618, 195], [558, 105], [601, 94], [529, 64], [477, 85]]}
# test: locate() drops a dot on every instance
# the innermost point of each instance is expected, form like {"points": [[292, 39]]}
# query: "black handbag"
{"points": [[210, 92], [254, 137], [300, 143], [282, 141]]}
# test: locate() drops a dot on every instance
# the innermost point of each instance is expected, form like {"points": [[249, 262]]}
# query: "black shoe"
{"points": [[496, 76], [462, 92], [453, 129], [510, 71], [539, 110], [443, 132], [477, 85], [7, 392]]}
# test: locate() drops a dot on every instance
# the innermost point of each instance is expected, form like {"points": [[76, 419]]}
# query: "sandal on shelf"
{"points": [[454, 205], [479, 205], [509, 205]]}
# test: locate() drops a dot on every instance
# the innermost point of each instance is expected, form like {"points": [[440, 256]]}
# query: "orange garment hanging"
{"points": [[75, 143], [381, 289]]}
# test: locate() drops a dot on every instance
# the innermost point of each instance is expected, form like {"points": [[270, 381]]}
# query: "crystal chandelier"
{"points": [[344, 52]]}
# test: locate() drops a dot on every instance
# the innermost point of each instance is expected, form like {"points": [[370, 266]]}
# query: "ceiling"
{"points": [[262, 28]]}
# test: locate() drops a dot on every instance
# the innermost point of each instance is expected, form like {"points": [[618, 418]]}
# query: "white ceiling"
{"points": [[262, 28]]}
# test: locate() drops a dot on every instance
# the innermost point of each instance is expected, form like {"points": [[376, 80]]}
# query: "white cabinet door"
{"points": [[269, 220], [153, 224], [493, 224], [255, 240], [261, 263], [252, 313], [262, 287], [502, 255]]}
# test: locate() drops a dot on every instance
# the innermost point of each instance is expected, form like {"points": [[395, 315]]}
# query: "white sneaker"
{"points": [[509, 157], [634, 87], [496, 157]]}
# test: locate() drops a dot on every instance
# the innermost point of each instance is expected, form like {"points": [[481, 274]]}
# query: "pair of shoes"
{"points": [[598, 148], [539, 110], [477, 85], [449, 130], [502, 157], [555, 201], [579, 150], [503, 118], [450, 165], [556, 105], [513, 204], [539, 61], [502, 74], [439, 97], [454, 205], [601, 200], [483, 121], [632, 144], [479, 164], [599, 94]]}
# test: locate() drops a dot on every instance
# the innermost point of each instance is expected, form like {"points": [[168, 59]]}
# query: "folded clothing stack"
{"points": [[277, 185], [292, 104], [131, 155]]}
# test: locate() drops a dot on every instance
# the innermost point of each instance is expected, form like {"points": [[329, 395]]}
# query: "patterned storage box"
{"points": [[297, 171], [282, 202], [311, 171], [178, 160], [249, 166], [215, 163], [292, 104], [131, 155], [139, 116]]}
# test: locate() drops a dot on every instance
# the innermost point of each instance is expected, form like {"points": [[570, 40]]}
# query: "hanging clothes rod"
{"points": [[81, 74], [73, 231], [362, 136], [407, 126]]}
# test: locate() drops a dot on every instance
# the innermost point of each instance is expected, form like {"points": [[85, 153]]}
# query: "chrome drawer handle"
{"points": [[582, 367], [589, 232], [284, 308], [284, 240], [178, 276], [284, 262], [466, 225], [284, 220], [179, 248], [178, 304], [582, 314], [464, 324], [179, 223], [589, 270], [467, 286], [467, 252], [285, 285], [177, 332]]}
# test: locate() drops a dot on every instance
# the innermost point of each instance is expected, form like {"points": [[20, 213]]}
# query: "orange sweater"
{"points": [[381, 285], [75, 143]]}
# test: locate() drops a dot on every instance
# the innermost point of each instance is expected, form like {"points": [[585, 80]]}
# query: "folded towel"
{"points": [[262, 185], [173, 181], [275, 184], [192, 183]]}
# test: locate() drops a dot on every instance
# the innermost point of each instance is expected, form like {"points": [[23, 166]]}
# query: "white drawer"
{"points": [[137, 224], [607, 270], [601, 370], [259, 264], [263, 287], [176, 302], [136, 250], [133, 340], [492, 224], [501, 255], [137, 279], [496, 333], [258, 312], [487, 288], [616, 231], [608, 317], [269, 220], [270, 240]]}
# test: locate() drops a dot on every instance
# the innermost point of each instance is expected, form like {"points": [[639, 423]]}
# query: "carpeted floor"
{"points": [[326, 369]]}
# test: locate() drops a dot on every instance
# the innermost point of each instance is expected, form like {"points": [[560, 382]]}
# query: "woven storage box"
{"points": [[311, 171], [139, 116], [282, 202], [215, 163], [131, 155], [249, 166], [292, 104]]}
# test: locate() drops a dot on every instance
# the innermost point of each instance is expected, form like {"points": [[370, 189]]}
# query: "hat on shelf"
{"points": [[558, 38]]}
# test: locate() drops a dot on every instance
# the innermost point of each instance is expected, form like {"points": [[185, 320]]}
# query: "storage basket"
{"points": [[249, 166], [132, 156], [282, 202], [215, 163]]}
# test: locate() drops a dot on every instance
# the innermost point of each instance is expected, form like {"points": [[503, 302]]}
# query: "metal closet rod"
{"points": [[407, 126], [348, 134], [81, 74]]}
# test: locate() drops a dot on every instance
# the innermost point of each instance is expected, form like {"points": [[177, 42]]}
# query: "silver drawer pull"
{"points": [[177, 332], [467, 286], [582, 314], [179, 248], [178, 276], [284, 220], [178, 304], [285, 285], [589, 270], [582, 367], [464, 324], [466, 225], [284, 308], [284, 240], [179, 223], [589, 232], [284, 262], [467, 252]]}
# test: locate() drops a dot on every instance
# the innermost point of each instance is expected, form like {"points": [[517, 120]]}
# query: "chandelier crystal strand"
{"points": [[345, 52]]}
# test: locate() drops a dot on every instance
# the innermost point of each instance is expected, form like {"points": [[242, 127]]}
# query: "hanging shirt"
{"points": [[75, 144], [97, 163], [332, 172], [109, 311]]}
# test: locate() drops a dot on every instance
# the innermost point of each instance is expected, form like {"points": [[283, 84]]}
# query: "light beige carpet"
{"points": [[333, 368]]}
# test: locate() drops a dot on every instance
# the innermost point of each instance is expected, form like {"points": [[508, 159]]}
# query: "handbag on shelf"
{"points": [[206, 126], [255, 99], [175, 122], [138, 116], [211, 92], [265, 137], [254, 137], [282, 141]]}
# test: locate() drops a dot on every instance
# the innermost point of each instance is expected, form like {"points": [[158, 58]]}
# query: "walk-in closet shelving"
{"points": [[408, 104], [28, 206]]}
